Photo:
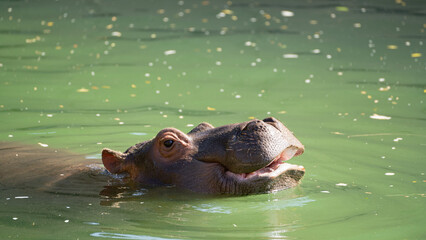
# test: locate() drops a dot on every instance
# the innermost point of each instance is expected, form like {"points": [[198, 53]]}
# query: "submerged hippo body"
{"points": [[239, 159]]}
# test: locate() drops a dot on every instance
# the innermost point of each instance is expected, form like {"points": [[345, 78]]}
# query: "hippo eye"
{"points": [[168, 143]]}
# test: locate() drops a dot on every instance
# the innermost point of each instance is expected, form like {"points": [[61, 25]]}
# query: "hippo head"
{"points": [[238, 159]]}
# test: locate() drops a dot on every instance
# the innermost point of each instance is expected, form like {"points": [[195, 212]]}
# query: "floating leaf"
{"points": [[342, 9], [384, 89], [227, 11], [341, 184], [116, 34], [290, 55], [416, 55], [211, 109], [286, 13], [379, 117], [169, 52], [43, 145], [83, 90]]}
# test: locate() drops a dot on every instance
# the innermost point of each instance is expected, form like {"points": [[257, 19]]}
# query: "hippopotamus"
{"points": [[236, 159]]}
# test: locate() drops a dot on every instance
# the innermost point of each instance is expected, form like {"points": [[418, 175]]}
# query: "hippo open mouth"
{"points": [[274, 169], [236, 159]]}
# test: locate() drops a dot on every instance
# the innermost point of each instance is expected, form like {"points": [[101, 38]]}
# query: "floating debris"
{"points": [[43, 145], [116, 34], [397, 139], [389, 174], [316, 51], [291, 55], [286, 13], [211, 109], [379, 117], [392, 47], [22, 197], [416, 55], [169, 52], [341, 184], [250, 44], [384, 89], [325, 191], [82, 90], [342, 9]]}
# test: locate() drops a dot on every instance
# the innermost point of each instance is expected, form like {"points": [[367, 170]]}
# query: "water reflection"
{"points": [[127, 236]]}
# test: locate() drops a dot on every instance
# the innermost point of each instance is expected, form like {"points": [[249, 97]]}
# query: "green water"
{"points": [[348, 77]]}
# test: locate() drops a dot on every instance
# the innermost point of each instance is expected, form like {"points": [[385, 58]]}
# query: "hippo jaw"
{"points": [[276, 168], [276, 176]]}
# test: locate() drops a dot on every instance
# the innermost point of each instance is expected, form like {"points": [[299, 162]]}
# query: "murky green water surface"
{"points": [[347, 77]]}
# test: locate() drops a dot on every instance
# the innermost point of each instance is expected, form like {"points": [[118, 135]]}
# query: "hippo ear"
{"points": [[201, 127], [113, 160]]}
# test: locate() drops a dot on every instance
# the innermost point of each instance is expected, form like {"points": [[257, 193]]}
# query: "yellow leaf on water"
{"points": [[211, 109], [133, 85], [227, 11], [392, 47], [82, 90], [95, 88], [49, 24], [342, 9], [282, 112], [416, 55], [252, 118], [106, 87]]}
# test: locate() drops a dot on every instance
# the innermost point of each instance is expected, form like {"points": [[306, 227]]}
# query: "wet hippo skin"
{"points": [[236, 159]]}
